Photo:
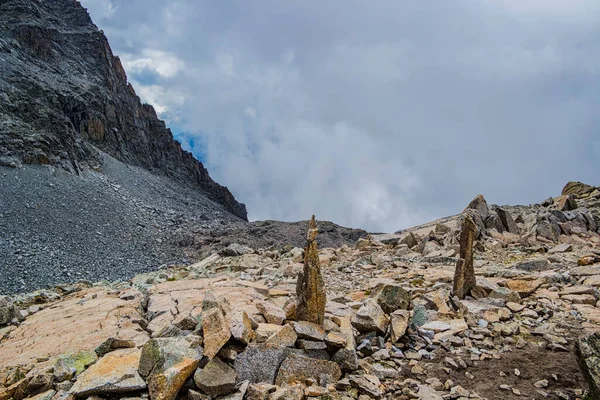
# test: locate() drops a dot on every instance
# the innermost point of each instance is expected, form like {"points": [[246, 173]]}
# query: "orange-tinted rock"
{"points": [[310, 288]]}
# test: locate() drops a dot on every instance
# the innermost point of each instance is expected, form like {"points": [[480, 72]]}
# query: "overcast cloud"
{"points": [[378, 115]]}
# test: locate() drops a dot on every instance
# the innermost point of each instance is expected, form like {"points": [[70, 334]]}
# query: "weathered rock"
{"points": [[116, 372], [47, 395], [310, 289], [524, 287], [216, 378], [370, 318], [391, 298], [508, 222], [308, 330], [399, 321], [284, 336], [235, 249], [367, 384], [464, 275], [540, 264], [8, 311], [480, 206], [561, 248], [68, 365], [565, 203], [346, 357], [216, 331], [299, 368], [272, 313], [588, 355], [240, 326], [505, 294], [588, 260], [240, 392], [578, 189], [166, 364], [411, 240], [260, 363]]}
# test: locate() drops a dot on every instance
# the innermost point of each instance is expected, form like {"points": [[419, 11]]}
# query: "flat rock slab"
{"points": [[116, 372], [80, 322], [170, 301]]}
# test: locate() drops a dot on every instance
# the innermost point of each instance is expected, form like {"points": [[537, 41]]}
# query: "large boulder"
{"points": [[167, 363]]}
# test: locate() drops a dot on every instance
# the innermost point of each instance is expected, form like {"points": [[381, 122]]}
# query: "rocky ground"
{"points": [[58, 227], [225, 327]]}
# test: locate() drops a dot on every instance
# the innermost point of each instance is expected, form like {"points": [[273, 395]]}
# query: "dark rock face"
{"points": [[64, 99]]}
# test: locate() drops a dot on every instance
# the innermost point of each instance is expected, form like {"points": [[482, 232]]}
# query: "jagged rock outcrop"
{"points": [[64, 99], [310, 288], [464, 275]]}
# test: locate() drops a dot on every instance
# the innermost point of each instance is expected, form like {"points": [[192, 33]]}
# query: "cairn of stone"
{"points": [[310, 288], [464, 275]]}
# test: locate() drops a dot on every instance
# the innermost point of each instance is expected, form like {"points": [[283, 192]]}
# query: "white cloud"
{"points": [[376, 117], [163, 63]]}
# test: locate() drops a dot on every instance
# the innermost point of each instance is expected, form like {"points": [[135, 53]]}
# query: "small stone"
{"points": [[541, 384]]}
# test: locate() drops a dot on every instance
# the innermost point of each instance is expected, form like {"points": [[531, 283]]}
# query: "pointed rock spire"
{"points": [[310, 288], [464, 275]]}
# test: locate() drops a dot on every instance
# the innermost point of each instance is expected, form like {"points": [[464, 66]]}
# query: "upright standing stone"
{"points": [[310, 288], [464, 276]]}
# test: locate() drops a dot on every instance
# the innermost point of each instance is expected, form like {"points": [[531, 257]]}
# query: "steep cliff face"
{"points": [[64, 98]]}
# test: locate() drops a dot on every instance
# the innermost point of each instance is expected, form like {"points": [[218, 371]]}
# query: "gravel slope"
{"points": [[57, 227]]}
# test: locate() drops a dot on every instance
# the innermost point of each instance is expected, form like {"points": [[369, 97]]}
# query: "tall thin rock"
{"points": [[310, 288], [464, 275]]}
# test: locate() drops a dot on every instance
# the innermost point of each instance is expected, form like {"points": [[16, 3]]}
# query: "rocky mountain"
{"points": [[493, 303], [65, 99]]}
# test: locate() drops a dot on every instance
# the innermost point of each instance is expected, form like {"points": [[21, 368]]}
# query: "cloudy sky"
{"points": [[378, 115]]}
